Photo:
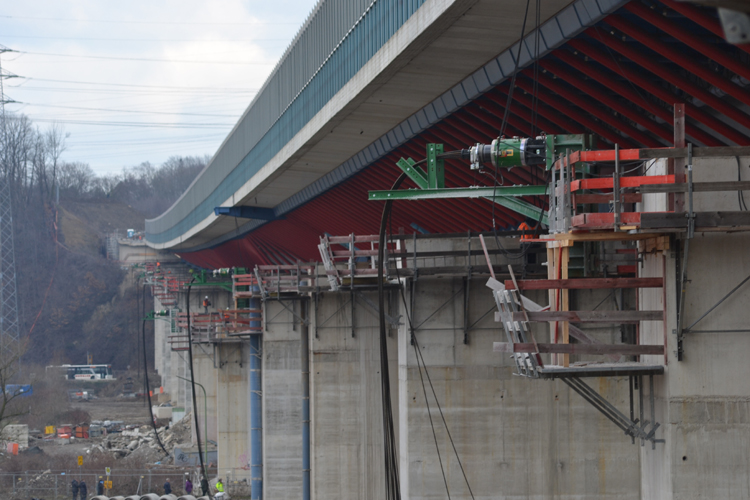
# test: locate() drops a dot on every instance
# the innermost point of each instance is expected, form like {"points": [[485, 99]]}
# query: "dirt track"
{"points": [[130, 411]]}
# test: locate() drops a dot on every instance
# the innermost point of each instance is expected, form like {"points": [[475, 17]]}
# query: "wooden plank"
{"points": [[592, 316], [698, 187], [565, 305], [621, 349], [708, 220], [586, 283], [608, 182]]}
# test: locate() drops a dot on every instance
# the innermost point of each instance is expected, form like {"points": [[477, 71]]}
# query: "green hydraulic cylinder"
{"points": [[526, 152]]}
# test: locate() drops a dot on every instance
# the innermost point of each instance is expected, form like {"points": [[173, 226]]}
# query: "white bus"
{"points": [[84, 372]]}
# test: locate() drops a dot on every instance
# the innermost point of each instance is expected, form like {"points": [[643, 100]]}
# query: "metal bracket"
{"points": [[736, 25]]}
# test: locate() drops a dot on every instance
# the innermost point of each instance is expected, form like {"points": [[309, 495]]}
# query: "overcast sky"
{"points": [[142, 80]]}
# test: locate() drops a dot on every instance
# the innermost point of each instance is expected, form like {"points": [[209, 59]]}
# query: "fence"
{"points": [[54, 485]]}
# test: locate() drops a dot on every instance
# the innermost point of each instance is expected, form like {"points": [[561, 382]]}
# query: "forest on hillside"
{"points": [[71, 300]]}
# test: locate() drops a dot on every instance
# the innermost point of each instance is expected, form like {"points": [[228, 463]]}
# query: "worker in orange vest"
{"points": [[524, 227], [206, 304]]}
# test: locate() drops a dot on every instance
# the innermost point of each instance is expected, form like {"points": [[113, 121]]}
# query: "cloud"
{"points": [[236, 43]]}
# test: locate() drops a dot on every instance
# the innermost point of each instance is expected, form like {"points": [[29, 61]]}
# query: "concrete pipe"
{"points": [[99, 497], [187, 497], [150, 496], [133, 497], [168, 497], [117, 498]]}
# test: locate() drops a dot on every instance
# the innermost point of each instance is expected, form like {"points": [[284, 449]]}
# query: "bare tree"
{"points": [[10, 354]]}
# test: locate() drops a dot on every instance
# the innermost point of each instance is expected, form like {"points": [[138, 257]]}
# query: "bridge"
{"points": [[296, 397]]}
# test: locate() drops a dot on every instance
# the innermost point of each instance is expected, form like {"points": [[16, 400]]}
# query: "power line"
{"points": [[144, 59], [149, 39], [139, 86], [136, 124], [119, 21], [129, 110]]}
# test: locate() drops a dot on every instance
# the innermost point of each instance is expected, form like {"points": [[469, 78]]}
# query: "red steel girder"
{"points": [[709, 50], [491, 112], [608, 100], [701, 18], [627, 92], [604, 116], [556, 119], [666, 74], [680, 58], [578, 116]]}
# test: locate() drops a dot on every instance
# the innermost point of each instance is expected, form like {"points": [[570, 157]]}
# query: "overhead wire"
{"points": [[120, 21], [140, 59], [503, 124]]}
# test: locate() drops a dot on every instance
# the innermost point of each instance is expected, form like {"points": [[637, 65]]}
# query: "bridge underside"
{"points": [[618, 79]]}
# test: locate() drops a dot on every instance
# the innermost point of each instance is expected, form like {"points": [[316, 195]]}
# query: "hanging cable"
{"points": [[506, 111], [740, 194], [387, 215], [192, 386], [145, 365], [392, 486]]}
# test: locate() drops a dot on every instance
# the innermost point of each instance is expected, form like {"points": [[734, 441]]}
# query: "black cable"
{"points": [[421, 379], [392, 487], [145, 365], [192, 386], [387, 212], [740, 194], [506, 111]]}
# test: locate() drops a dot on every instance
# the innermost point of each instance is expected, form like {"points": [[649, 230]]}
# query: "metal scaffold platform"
{"points": [[604, 209]]}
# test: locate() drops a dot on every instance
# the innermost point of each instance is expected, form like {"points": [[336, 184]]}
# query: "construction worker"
{"points": [[100, 486], [167, 488], [204, 485], [525, 227], [188, 484], [206, 304], [219, 488], [74, 489], [83, 490]]}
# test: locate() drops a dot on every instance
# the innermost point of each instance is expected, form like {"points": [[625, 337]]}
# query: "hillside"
{"points": [[91, 305]]}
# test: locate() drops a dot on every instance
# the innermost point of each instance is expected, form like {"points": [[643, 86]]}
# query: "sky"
{"points": [[141, 80]]}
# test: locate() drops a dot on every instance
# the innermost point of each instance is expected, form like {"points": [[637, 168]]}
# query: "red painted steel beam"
{"points": [[585, 283], [491, 112], [604, 116], [696, 43], [680, 58], [666, 74], [607, 100], [564, 124], [627, 92], [625, 182], [578, 116], [701, 18]]}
